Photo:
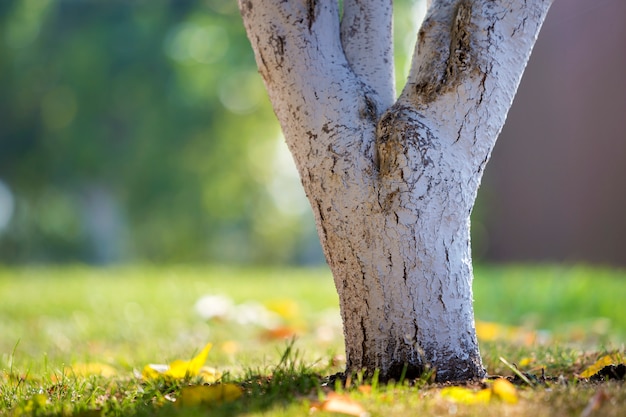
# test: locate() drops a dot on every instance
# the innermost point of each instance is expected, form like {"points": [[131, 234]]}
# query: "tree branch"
{"points": [[470, 55], [367, 38], [298, 51]]}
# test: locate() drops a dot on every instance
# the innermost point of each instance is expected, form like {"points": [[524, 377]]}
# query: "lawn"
{"points": [[75, 340]]}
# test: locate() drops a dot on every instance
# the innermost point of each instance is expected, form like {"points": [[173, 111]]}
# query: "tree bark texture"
{"points": [[392, 182]]}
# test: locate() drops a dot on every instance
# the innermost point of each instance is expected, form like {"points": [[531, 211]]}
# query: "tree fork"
{"points": [[392, 185]]}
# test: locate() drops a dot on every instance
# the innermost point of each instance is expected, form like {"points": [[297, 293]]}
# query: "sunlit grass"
{"points": [[124, 318], [127, 316], [574, 303]]}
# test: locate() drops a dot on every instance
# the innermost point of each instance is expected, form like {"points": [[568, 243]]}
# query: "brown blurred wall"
{"points": [[555, 189]]}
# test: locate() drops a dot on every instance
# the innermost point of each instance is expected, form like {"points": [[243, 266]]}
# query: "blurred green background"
{"points": [[140, 130]]}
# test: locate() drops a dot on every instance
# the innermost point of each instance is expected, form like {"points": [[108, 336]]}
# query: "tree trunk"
{"points": [[392, 185]]}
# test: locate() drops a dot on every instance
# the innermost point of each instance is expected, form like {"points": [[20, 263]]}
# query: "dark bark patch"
{"points": [[389, 200], [312, 136], [458, 61], [426, 27], [369, 110], [421, 37], [427, 91], [459, 56], [460, 370], [311, 12], [399, 132], [245, 7], [397, 371], [388, 145], [277, 42], [400, 372]]}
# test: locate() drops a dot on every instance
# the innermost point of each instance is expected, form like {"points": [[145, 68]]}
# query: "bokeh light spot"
{"points": [[7, 205], [203, 44]]}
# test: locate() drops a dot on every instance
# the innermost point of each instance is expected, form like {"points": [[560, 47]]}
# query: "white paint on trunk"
{"points": [[366, 32], [392, 185]]}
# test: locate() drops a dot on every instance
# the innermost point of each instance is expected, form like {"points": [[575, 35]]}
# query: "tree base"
{"points": [[402, 373]]}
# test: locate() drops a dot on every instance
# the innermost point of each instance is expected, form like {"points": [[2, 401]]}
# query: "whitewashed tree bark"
{"points": [[392, 182]]}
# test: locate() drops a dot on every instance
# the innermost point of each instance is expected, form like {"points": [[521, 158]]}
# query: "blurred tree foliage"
{"points": [[140, 130]]}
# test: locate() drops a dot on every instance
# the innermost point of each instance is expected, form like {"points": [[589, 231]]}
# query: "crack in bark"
{"points": [[364, 349], [520, 27], [310, 12], [405, 273], [481, 166], [324, 235], [483, 90], [277, 43], [458, 133]]}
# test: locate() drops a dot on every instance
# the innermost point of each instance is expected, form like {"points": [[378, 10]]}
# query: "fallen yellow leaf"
{"points": [[153, 371], [465, 395], [501, 389], [504, 390], [178, 369], [483, 396], [524, 362], [287, 309], [196, 395], [605, 360]]}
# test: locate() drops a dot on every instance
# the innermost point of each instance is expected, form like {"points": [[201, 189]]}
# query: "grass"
{"points": [[577, 303], [55, 320]]}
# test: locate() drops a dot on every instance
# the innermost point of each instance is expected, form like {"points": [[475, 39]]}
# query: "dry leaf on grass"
{"points": [[342, 404], [505, 391], [180, 369], [605, 360], [465, 395], [278, 333], [501, 389]]}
